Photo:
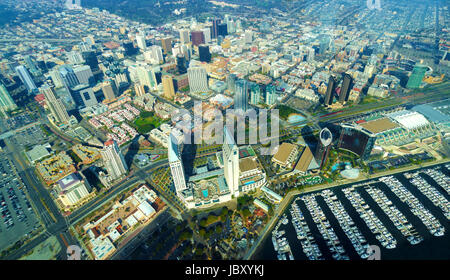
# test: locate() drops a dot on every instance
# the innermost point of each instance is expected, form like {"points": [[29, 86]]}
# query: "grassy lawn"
{"points": [[146, 122]]}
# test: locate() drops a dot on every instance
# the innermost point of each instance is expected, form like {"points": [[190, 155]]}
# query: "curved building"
{"points": [[356, 139]]}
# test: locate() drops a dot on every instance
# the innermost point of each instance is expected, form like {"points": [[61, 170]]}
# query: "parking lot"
{"points": [[29, 137], [17, 217]]}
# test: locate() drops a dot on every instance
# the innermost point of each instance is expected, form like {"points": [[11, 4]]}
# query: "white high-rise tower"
{"points": [[176, 165], [113, 160], [230, 153]]}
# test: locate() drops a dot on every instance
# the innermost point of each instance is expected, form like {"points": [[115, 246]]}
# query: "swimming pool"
{"points": [[295, 118]]}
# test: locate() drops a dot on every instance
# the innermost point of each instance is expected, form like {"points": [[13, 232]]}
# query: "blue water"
{"points": [[205, 193], [337, 165], [295, 118]]}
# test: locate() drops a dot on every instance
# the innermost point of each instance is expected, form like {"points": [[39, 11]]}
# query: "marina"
{"points": [[405, 214]]}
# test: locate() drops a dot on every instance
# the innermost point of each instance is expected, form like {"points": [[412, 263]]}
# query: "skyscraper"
{"points": [[241, 96], [166, 44], [54, 104], [68, 77], [109, 90], [271, 95], [198, 79], [255, 94], [222, 29], [184, 36], [84, 96], [417, 75], [90, 58], [6, 102], [139, 89], [230, 153], [215, 27], [231, 83], [84, 74], [331, 88], [26, 79], [169, 91], [347, 85], [207, 35], [176, 165], [205, 55], [323, 147], [140, 41], [181, 64], [147, 77], [197, 38], [113, 160]]}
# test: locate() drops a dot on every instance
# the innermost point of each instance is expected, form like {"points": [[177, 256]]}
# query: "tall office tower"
{"points": [[109, 90], [84, 47], [56, 78], [6, 102], [231, 27], [198, 79], [31, 64], [83, 96], [176, 165], [271, 95], [417, 75], [84, 74], [129, 48], [197, 38], [169, 90], [157, 54], [255, 94], [139, 89], [113, 160], [323, 147], [347, 85], [248, 36], [26, 79], [90, 58], [222, 30], [181, 64], [331, 88], [184, 36], [204, 54], [241, 96], [68, 77], [230, 153], [215, 27], [369, 70], [166, 44], [75, 57], [231, 82], [140, 41], [206, 35], [356, 139], [324, 44], [147, 77], [55, 105]]}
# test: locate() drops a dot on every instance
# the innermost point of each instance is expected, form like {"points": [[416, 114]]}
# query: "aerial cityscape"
{"points": [[224, 130]]}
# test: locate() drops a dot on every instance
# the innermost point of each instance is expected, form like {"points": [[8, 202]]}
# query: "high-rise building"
{"points": [[255, 94], [222, 30], [197, 38], [169, 90], [357, 140], [54, 104], [417, 75], [230, 153], [156, 54], [198, 79], [331, 88], [323, 147], [75, 57], [140, 41], [181, 64], [241, 96], [113, 160], [176, 165], [184, 36], [84, 74], [205, 55], [26, 79], [248, 36], [109, 90], [90, 58], [206, 35], [129, 48], [68, 77], [83, 96], [6, 102], [271, 95], [346, 87], [215, 27], [231, 83], [166, 44], [147, 77], [139, 89]]}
